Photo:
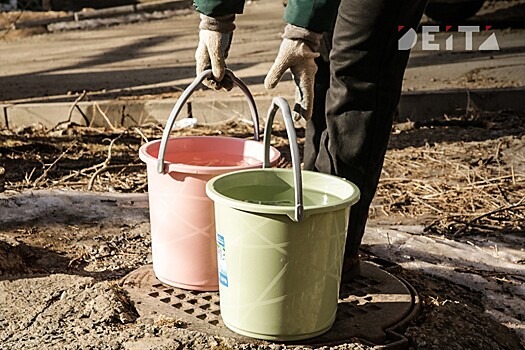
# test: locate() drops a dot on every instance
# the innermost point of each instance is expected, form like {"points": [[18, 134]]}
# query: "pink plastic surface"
{"points": [[182, 219]]}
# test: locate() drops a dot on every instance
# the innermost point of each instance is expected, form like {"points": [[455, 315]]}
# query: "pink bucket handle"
{"points": [[281, 103], [161, 168]]}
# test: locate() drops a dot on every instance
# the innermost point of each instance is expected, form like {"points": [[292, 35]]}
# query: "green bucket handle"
{"points": [[279, 102], [161, 168]]}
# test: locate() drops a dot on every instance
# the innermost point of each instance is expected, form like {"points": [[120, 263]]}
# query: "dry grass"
{"points": [[454, 185], [457, 187]]}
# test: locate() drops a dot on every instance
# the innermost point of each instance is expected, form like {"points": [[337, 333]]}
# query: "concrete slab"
{"points": [[418, 106], [414, 106], [129, 113], [217, 110], [48, 115], [3, 116]]}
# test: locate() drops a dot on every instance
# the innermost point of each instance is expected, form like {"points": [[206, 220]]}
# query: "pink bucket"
{"points": [[184, 250]]}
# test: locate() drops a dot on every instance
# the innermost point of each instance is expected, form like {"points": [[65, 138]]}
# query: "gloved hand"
{"points": [[215, 37], [298, 51]]}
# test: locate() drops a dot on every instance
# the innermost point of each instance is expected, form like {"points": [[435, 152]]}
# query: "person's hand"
{"points": [[215, 38], [299, 55]]}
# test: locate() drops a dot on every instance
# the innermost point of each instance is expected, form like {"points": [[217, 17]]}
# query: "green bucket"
{"points": [[281, 237]]}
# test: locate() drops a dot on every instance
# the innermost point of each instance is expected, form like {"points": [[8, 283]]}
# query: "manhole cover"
{"points": [[372, 308]]}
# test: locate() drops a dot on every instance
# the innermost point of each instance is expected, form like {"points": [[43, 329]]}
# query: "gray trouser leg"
{"points": [[353, 114]]}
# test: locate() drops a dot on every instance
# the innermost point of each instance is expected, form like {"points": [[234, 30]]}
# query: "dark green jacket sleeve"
{"points": [[215, 8], [315, 15]]}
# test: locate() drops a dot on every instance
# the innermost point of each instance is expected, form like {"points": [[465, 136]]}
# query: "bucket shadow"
{"points": [[374, 307]]}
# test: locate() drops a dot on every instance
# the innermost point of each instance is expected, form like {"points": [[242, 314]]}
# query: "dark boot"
{"points": [[351, 268]]}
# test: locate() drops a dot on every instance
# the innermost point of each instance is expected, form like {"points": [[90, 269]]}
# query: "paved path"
{"points": [[153, 60]]}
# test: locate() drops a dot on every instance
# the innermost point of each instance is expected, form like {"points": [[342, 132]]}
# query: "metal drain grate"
{"points": [[355, 299], [198, 311], [202, 306], [372, 308]]}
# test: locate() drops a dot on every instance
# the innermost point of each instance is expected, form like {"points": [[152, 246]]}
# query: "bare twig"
{"points": [[75, 104], [46, 171], [105, 117], [428, 205], [70, 112], [492, 212], [104, 164], [141, 187], [137, 130], [2, 179], [27, 177]]}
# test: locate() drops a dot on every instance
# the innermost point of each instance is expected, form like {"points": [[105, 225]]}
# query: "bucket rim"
{"points": [[199, 169], [216, 196]]}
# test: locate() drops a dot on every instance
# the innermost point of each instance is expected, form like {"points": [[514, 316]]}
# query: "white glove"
{"points": [[215, 37], [298, 55]]}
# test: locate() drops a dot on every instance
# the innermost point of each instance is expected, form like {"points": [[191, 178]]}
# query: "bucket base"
{"points": [[201, 288], [294, 337]]}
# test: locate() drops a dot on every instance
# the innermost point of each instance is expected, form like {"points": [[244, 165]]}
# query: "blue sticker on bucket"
{"points": [[221, 259]]}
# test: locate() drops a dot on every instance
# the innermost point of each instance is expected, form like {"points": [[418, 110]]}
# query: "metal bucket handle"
{"points": [[161, 168], [279, 102]]}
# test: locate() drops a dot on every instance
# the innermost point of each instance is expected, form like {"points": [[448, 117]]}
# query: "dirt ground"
{"points": [[463, 179]]}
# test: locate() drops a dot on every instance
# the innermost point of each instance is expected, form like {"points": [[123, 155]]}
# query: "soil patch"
{"points": [[461, 178]]}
